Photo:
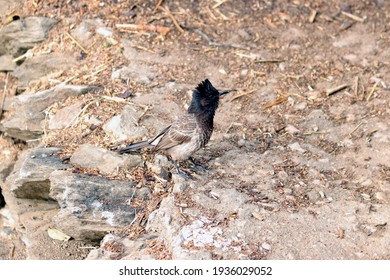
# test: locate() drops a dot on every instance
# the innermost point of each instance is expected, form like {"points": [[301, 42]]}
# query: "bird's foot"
{"points": [[198, 167], [182, 173], [193, 165]]}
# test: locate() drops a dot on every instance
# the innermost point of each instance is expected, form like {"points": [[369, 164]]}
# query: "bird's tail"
{"points": [[134, 146]]}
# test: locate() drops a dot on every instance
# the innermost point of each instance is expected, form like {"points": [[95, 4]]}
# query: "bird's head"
{"points": [[205, 98]]}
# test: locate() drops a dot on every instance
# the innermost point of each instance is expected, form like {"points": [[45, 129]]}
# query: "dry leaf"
{"points": [[58, 235]]}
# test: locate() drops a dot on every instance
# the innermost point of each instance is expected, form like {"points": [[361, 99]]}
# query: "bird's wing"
{"points": [[179, 132]]}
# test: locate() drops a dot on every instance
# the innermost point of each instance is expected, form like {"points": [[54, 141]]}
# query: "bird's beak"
{"points": [[221, 92]]}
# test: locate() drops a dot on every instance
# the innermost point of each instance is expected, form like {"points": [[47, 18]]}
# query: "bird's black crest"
{"points": [[206, 88]]}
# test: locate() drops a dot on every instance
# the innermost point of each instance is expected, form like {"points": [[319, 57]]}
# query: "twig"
{"points": [[312, 16], [370, 134], [144, 49], [231, 125], [69, 79], [268, 60], [332, 91], [142, 114], [168, 12], [4, 93], [101, 67], [76, 42], [143, 27], [277, 101], [356, 128], [372, 90], [211, 42], [27, 54], [158, 6], [356, 86], [314, 132], [351, 16]]}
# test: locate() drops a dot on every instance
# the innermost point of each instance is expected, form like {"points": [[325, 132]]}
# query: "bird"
{"points": [[189, 132]]}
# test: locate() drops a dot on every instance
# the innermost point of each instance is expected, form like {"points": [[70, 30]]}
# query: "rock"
{"points": [[65, 116], [139, 73], [21, 35], [37, 67], [123, 127], [92, 120], [283, 176], [30, 178], [166, 222], [295, 147], [300, 106], [228, 200], [314, 196], [90, 156], [104, 31], [160, 166], [90, 206], [26, 115], [380, 196], [114, 247], [244, 35], [317, 120], [246, 143], [7, 63], [180, 183], [266, 246], [88, 28], [5, 170], [292, 130]]}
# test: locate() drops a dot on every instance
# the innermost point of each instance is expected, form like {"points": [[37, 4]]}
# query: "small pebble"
{"points": [[266, 246]]}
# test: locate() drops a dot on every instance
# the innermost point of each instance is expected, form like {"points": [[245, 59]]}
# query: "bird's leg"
{"points": [[181, 172], [196, 166]]}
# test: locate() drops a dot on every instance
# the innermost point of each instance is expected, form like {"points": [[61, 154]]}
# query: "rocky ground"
{"points": [[298, 165]]}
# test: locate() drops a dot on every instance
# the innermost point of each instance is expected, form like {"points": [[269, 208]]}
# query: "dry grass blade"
{"points": [[356, 128], [80, 113], [372, 91], [351, 16], [219, 3], [314, 132], [76, 42], [332, 91], [143, 27], [277, 101], [142, 114], [144, 49], [243, 94]]}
